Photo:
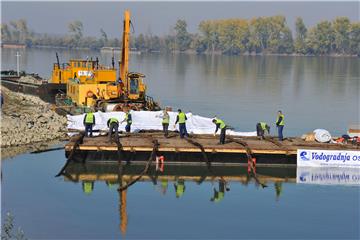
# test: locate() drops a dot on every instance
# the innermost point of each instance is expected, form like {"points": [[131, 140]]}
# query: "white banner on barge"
{"points": [[328, 158]]}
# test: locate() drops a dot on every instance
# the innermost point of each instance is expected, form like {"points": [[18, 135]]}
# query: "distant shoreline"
{"points": [[188, 52]]}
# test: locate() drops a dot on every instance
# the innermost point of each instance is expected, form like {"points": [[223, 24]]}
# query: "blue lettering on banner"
{"points": [[328, 158]]}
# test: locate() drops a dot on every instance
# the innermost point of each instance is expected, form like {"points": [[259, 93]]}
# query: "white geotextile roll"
{"points": [[322, 135], [151, 120]]}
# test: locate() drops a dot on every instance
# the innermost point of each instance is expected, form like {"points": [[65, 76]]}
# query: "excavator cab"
{"points": [[136, 87]]}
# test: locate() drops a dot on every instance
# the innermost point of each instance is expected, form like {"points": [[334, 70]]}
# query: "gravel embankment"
{"points": [[26, 120]]}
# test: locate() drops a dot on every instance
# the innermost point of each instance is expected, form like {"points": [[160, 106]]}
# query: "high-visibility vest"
{"points": [[88, 187], [182, 117], [282, 121], [166, 118], [180, 190], [128, 121], [113, 120], [219, 196], [263, 125], [221, 122], [89, 117]]}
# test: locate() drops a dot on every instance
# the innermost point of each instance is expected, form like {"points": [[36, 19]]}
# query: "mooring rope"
{"points": [[208, 163], [151, 158], [197, 144], [73, 150], [250, 157]]}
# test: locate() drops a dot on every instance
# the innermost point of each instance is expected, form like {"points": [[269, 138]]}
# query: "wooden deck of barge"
{"points": [[143, 142]]}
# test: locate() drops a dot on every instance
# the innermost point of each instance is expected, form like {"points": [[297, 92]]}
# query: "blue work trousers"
{"points": [[182, 129], [88, 129], [280, 132], [128, 128]]}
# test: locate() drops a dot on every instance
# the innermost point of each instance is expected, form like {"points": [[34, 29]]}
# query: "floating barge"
{"points": [[196, 149], [96, 171]]}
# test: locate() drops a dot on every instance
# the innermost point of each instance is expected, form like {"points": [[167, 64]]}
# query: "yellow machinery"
{"points": [[89, 84], [84, 71]]}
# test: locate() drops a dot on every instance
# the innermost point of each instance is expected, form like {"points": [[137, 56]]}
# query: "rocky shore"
{"points": [[26, 120]]}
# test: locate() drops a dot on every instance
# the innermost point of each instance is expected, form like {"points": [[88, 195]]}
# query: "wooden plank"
{"points": [[141, 143], [127, 178]]}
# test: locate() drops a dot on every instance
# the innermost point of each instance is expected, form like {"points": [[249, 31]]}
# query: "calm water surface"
{"points": [[313, 92], [47, 207]]}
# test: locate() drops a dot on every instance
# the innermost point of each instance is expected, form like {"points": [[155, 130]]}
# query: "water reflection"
{"points": [[175, 177], [328, 175]]}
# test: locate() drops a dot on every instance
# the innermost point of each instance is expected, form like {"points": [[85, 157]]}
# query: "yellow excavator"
{"points": [[89, 84]]}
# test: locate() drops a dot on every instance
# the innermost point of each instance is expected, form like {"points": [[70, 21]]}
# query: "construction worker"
{"points": [[261, 127], [179, 188], [220, 124], [128, 120], [89, 122], [219, 195], [181, 118], [165, 122], [113, 125], [280, 124], [87, 187]]}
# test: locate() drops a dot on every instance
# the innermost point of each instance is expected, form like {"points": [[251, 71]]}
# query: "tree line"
{"points": [[261, 35]]}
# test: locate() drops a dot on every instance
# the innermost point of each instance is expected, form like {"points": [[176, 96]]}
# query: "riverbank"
{"points": [[28, 123], [191, 52]]}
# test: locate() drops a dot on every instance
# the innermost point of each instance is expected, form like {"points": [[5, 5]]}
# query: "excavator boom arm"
{"points": [[124, 61]]}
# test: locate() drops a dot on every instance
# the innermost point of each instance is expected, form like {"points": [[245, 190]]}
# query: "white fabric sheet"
{"points": [[151, 120]]}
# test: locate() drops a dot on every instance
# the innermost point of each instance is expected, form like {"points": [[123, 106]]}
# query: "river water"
{"points": [[313, 92]]}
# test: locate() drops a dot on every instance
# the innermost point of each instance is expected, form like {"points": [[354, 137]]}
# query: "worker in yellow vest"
{"points": [[89, 122], [87, 187], [165, 122], [261, 127], [113, 125], [220, 124], [280, 125], [181, 119], [128, 120], [179, 188], [219, 195]]}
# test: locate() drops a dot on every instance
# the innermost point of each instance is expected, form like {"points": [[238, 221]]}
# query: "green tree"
{"points": [[341, 27], [301, 31], [259, 34], [104, 38], [355, 38], [140, 42], [15, 31], [76, 30], [234, 36], [183, 39], [320, 39], [280, 36], [5, 33], [22, 26], [210, 33]]}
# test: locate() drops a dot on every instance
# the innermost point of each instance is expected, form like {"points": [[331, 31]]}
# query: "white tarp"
{"points": [[150, 120]]}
